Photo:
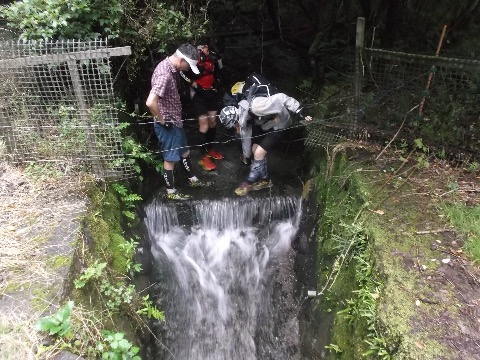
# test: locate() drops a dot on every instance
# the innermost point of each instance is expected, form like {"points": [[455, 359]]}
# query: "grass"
{"points": [[466, 219], [18, 339]]}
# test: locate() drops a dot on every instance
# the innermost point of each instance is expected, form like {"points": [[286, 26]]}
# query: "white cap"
{"points": [[189, 54]]}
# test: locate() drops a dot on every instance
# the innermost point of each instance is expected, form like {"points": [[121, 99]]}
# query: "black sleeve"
{"points": [[189, 76]]}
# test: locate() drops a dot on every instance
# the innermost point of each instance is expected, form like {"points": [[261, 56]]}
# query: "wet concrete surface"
{"points": [[286, 166]]}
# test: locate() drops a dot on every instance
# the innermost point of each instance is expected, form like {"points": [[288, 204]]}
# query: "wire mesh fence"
{"points": [[57, 105], [428, 97], [402, 97]]}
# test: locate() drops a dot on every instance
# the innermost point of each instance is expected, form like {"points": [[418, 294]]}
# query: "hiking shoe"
{"points": [[214, 154], [177, 196], [206, 163], [243, 189], [262, 184], [199, 183]]}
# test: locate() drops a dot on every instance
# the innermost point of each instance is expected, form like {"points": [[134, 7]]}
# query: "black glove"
{"points": [[199, 90], [300, 113]]}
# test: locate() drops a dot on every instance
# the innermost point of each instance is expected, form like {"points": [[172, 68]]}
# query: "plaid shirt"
{"points": [[164, 85]]}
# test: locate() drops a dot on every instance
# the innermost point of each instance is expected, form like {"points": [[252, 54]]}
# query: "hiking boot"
{"points": [[262, 184], [177, 196], [258, 170], [243, 189], [199, 183], [206, 163], [214, 154]]}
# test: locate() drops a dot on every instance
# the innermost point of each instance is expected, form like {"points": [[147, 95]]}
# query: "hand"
{"points": [[198, 89], [300, 113], [167, 124], [302, 116]]}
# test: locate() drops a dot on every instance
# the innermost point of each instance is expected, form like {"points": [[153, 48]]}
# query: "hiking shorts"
{"points": [[267, 139], [207, 100], [173, 142]]}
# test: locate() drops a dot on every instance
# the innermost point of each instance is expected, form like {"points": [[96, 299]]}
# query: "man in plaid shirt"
{"points": [[166, 107]]}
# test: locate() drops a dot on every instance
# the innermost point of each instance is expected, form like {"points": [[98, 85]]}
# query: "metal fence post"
{"points": [[359, 43], [82, 108], [6, 132]]}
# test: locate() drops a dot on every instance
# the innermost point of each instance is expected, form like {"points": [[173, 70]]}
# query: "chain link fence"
{"points": [[57, 105]]}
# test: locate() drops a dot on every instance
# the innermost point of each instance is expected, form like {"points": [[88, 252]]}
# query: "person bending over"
{"points": [[262, 114]]}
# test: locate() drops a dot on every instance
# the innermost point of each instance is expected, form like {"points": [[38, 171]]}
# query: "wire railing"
{"points": [[57, 104]]}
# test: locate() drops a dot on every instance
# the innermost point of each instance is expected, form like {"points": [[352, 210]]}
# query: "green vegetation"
{"points": [[467, 220], [348, 284], [92, 19], [372, 294], [42, 171], [137, 154], [75, 19], [115, 346], [150, 310], [129, 202], [68, 330], [108, 307], [58, 324], [92, 272], [151, 26]]}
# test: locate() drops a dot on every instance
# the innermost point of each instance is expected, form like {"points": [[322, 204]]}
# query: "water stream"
{"points": [[224, 277]]}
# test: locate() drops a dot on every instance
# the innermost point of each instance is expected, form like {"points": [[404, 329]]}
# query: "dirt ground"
{"points": [[39, 221], [446, 289]]}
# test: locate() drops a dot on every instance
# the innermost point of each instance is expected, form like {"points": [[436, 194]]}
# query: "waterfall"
{"points": [[226, 270]]}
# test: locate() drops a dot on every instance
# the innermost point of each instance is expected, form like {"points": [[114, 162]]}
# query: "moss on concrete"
{"points": [[352, 192], [103, 240], [104, 224], [59, 261]]}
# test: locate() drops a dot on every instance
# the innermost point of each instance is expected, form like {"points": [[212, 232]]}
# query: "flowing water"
{"points": [[224, 278]]}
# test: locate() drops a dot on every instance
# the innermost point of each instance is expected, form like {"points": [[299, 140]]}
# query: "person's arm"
{"points": [[190, 78], [289, 102], [152, 104]]}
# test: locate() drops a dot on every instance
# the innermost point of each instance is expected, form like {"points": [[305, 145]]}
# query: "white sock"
{"points": [[193, 179]]}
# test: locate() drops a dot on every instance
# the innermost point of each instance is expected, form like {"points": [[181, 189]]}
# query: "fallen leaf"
{"points": [[446, 261], [419, 345], [417, 302], [379, 212]]}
